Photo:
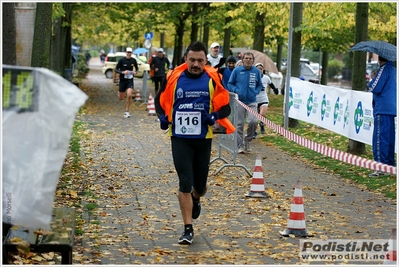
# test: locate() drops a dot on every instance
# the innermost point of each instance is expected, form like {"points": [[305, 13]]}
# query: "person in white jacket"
{"points": [[262, 98]]}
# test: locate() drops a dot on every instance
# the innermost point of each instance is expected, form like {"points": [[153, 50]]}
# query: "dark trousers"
{"points": [[384, 139], [158, 82]]}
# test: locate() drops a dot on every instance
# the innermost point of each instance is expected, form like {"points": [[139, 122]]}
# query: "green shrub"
{"points": [[334, 67]]}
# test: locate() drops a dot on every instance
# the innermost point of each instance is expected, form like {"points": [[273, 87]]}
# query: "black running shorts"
{"points": [[125, 84], [191, 158]]}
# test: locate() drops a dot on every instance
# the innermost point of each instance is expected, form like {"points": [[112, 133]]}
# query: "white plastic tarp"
{"points": [[39, 109]]}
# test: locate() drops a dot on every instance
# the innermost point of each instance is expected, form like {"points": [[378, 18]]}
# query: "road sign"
{"points": [[147, 44], [149, 35]]}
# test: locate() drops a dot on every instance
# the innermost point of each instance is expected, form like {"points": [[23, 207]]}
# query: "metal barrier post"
{"points": [[229, 141], [144, 87]]}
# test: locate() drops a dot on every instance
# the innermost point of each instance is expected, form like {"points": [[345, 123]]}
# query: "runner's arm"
{"points": [[157, 103], [118, 66], [224, 111]]}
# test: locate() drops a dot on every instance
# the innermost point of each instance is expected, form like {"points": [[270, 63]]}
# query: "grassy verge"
{"points": [[385, 185], [71, 178]]}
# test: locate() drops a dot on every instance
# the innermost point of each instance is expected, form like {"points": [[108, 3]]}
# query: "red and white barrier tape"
{"points": [[322, 149]]}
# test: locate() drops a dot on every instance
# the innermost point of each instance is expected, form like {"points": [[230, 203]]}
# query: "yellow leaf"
{"points": [[37, 258], [73, 193]]}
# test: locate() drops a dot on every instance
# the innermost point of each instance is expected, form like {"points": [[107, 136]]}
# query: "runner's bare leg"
{"points": [[129, 95]]}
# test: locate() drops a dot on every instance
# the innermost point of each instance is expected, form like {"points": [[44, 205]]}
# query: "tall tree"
{"points": [[359, 66], [296, 40], [330, 29], [227, 29], [194, 23], [207, 25], [61, 39], [9, 33], [296, 50], [259, 31], [227, 37], [41, 47]]}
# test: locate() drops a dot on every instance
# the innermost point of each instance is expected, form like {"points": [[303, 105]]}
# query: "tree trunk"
{"points": [[279, 56], [296, 51], [194, 23], [324, 73], [177, 56], [62, 41], [259, 32], [205, 36], [359, 66], [162, 39], [227, 38], [41, 47], [296, 41], [206, 33], [9, 33]]}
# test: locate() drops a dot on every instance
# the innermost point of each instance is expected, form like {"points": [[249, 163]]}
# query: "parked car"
{"points": [[112, 59], [317, 68], [307, 72]]}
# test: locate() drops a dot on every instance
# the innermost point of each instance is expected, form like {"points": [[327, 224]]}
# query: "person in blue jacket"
{"points": [[226, 72], [246, 82], [383, 87]]}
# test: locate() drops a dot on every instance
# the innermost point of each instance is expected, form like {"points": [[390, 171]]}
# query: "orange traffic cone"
{"points": [[151, 109], [138, 97], [258, 184], [390, 257], [150, 100], [296, 221]]}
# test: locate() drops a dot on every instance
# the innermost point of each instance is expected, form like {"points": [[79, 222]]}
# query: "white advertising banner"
{"points": [[346, 112]]}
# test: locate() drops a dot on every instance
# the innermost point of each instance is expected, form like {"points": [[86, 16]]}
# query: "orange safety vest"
{"points": [[220, 96], [152, 72]]}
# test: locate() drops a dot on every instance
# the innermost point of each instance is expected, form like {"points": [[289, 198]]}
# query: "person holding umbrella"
{"points": [[383, 88]]}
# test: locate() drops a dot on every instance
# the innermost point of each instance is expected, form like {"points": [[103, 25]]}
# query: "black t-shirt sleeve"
{"points": [[119, 66], [135, 65]]}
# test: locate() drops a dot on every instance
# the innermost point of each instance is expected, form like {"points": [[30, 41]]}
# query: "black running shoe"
{"points": [[186, 237], [196, 207]]}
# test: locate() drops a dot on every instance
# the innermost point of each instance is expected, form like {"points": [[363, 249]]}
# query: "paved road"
{"points": [[130, 172]]}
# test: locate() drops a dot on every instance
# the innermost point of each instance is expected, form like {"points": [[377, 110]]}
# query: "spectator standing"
{"points": [[159, 64], [246, 82], [188, 104], [239, 56], [226, 72], [239, 63], [102, 56], [154, 55], [262, 98], [125, 69], [383, 87], [216, 60], [88, 57]]}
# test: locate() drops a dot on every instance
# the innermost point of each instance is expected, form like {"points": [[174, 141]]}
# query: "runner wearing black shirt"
{"points": [[126, 73]]}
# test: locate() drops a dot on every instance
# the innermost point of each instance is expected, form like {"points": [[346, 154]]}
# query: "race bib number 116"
{"points": [[188, 123]]}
